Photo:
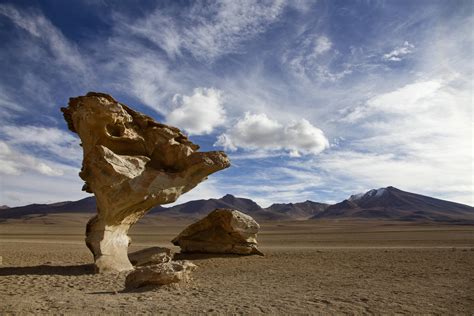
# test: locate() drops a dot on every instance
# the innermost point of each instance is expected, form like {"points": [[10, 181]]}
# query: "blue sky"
{"points": [[311, 99]]}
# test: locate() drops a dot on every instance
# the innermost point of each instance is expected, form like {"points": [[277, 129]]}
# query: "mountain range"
{"points": [[393, 204], [382, 204]]}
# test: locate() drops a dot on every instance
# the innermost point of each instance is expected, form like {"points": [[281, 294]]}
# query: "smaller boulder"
{"points": [[160, 274], [148, 256], [224, 231]]}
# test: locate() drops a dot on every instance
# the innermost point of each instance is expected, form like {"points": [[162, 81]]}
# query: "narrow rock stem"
{"points": [[109, 245]]}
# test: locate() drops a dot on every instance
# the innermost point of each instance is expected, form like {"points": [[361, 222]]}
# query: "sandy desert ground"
{"points": [[309, 268]]}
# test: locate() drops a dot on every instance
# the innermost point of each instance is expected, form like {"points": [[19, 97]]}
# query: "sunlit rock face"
{"points": [[160, 274], [131, 163], [221, 231]]}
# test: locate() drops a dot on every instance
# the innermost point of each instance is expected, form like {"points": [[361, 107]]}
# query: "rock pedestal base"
{"points": [[109, 245]]}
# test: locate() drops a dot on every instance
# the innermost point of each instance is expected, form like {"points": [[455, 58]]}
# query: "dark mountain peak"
{"points": [[345, 204], [240, 203], [309, 202], [298, 211], [374, 193], [228, 197], [4, 207]]}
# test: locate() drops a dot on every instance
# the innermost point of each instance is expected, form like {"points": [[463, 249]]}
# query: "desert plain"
{"points": [[309, 267]]}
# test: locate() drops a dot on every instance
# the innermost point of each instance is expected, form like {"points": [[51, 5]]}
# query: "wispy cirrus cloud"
{"points": [[314, 58], [54, 142], [16, 163], [206, 30], [41, 29], [398, 53]]}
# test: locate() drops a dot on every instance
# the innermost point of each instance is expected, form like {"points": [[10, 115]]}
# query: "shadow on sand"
{"points": [[199, 256], [81, 269]]}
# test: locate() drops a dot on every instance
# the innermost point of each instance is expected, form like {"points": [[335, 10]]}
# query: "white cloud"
{"points": [[56, 142], [149, 80], [416, 173], [26, 178], [399, 52], [410, 99], [8, 107], [41, 28], [16, 163], [208, 30], [160, 29], [310, 59], [322, 44], [258, 132], [417, 137], [199, 113], [31, 186]]}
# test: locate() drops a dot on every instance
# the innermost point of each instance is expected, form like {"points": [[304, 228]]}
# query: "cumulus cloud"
{"points": [[199, 113], [258, 132], [399, 52]]}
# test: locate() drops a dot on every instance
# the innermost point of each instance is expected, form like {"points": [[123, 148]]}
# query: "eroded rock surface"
{"points": [[221, 231], [148, 256], [131, 163], [160, 274]]}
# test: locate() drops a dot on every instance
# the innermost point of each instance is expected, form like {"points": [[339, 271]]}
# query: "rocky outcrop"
{"points": [[221, 231], [148, 256], [131, 163], [160, 274]]}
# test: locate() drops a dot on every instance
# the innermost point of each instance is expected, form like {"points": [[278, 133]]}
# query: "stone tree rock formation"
{"points": [[131, 163], [221, 231]]}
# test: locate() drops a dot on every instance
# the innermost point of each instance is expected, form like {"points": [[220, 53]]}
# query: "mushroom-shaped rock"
{"points": [[221, 231], [149, 256], [131, 163], [160, 274]]}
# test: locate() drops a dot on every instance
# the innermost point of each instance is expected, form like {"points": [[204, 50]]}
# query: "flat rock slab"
{"points": [[160, 274], [150, 256]]}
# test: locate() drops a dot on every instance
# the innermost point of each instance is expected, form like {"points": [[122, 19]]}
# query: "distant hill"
{"points": [[300, 211], [86, 205], [394, 204], [189, 210], [3, 207], [200, 208], [382, 204]]}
